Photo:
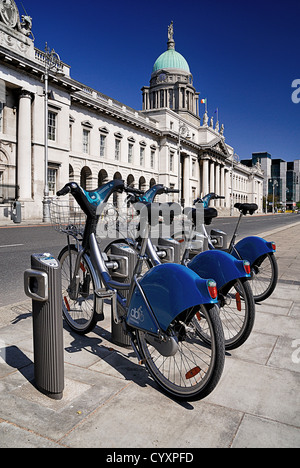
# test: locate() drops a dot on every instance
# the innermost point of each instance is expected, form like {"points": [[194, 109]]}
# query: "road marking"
{"points": [[10, 245]]}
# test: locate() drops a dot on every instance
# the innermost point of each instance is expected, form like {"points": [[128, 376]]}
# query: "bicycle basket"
{"points": [[67, 217]]}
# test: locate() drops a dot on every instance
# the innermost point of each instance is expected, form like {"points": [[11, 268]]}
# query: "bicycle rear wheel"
{"points": [[237, 312], [196, 368], [78, 311], [264, 277]]}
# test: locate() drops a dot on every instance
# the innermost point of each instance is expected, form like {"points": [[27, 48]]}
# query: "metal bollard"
{"points": [[42, 283], [16, 212]]}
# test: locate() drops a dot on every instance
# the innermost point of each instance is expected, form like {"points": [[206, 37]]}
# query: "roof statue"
{"points": [[9, 15], [171, 43]]}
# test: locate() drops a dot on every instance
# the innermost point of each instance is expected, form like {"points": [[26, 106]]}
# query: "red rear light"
{"points": [[247, 267], [212, 289], [273, 246]]}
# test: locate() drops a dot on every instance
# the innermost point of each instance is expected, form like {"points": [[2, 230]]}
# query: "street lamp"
{"points": [[51, 62], [183, 131], [275, 183], [235, 159]]}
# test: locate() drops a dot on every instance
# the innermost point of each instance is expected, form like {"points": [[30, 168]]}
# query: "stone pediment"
{"points": [[218, 146]]}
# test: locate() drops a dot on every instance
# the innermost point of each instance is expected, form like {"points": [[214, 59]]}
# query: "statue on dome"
{"points": [[171, 32]]}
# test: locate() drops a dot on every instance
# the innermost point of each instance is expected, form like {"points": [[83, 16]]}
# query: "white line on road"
{"points": [[10, 245]]}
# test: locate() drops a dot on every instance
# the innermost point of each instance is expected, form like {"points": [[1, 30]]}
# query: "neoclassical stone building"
{"points": [[80, 134]]}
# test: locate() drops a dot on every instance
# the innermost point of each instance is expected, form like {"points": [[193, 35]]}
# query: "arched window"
{"points": [[86, 178]]}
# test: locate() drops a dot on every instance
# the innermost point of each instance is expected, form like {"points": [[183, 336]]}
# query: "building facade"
{"points": [[79, 134], [281, 183]]}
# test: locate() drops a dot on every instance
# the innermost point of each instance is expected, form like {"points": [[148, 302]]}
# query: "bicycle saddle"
{"points": [[246, 208], [154, 210], [209, 214]]}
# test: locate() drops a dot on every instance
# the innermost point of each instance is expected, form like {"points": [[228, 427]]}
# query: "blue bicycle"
{"points": [[170, 314], [235, 298], [259, 252]]}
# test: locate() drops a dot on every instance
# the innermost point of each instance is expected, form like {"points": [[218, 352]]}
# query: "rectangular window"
{"points": [[193, 168], [171, 98], [102, 145], [51, 126], [52, 181], [130, 153], [142, 156], [117, 149], [85, 141], [162, 98], [152, 159], [171, 162]]}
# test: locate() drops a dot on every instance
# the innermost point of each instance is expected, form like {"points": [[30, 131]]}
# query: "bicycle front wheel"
{"points": [[196, 368], [78, 307]]}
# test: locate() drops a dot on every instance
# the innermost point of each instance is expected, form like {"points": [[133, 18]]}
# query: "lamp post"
{"points": [[183, 131], [235, 159], [51, 62], [274, 183]]}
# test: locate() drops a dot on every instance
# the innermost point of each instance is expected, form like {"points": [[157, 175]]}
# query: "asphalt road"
{"points": [[17, 243]]}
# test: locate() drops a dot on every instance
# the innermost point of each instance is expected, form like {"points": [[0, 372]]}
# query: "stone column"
{"points": [[227, 188], [217, 184], [24, 146], [222, 186], [205, 177], [212, 180]]}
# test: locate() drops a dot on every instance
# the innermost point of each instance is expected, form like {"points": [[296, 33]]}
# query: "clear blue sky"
{"points": [[244, 56]]}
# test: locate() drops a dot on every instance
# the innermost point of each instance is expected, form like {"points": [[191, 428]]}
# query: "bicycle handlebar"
{"points": [[133, 190], [169, 190], [64, 191]]}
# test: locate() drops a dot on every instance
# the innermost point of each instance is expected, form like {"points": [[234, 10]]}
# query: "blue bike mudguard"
{"points": [[218, 265], [169, 290], [251, 248]]}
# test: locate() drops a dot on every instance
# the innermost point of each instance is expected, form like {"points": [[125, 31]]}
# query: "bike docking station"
{"points": [[42, 283]]}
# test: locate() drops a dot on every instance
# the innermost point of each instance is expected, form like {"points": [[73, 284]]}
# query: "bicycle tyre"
{"points": [[79, 313], [237, 312], [196, 368], [263, 287]]}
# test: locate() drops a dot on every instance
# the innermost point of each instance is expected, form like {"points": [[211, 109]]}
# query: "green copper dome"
{"points": [[171, 59]]}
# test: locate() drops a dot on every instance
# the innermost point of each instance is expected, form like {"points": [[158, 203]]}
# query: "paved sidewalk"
{"points": [[109, 401]]}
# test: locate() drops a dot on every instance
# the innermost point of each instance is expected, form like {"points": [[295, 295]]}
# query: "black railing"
{"points": [[8, 193]]}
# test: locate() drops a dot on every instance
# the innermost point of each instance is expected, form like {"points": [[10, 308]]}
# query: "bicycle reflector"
{"points": [[247, 267], [273, 246], [193, 372], [212, 289]]}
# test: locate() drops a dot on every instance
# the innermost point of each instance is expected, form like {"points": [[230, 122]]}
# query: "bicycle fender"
{"points": [[219, 265], [169, 289], [251, 248]]}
